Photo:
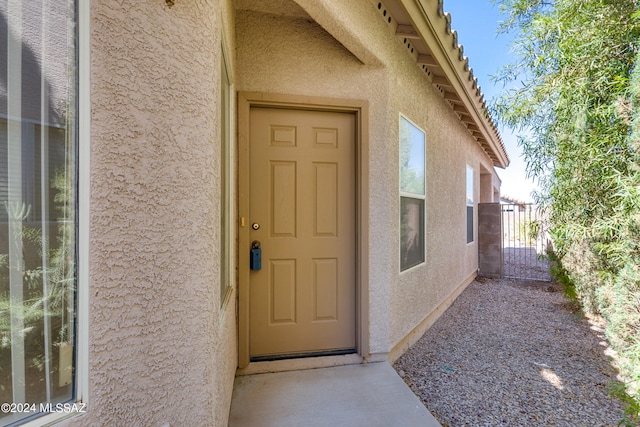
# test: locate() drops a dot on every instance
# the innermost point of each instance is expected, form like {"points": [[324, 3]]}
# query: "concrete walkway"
{"points": [[351, 396]]}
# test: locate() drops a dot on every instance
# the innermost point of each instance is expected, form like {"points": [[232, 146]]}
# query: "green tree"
{"points": [[574, 91]]}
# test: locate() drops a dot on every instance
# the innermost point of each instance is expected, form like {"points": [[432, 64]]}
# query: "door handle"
{"points": [[255, 259]]}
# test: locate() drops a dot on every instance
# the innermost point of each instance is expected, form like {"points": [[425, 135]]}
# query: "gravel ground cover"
{"points": [[513, 353], [525, 263]]}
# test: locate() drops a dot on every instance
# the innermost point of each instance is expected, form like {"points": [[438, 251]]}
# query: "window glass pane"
{"points": [[469, 204], [412, 158], [411, 232], [469, 186], [469, 224], [225, 191], [37, 202]]}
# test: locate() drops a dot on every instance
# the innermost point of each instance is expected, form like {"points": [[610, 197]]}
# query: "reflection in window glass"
{"points": [[225, 183], [412, 194], [469, 204], [412, 232], [38, 80], [411, 158]]}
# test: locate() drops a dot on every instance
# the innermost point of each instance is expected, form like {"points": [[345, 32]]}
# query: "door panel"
{"points": [[283, 199], [302, 195], [326, 199], [325, 285]]}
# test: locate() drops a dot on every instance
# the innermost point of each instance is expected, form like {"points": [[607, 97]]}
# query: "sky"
{"points": [[476, 22]]}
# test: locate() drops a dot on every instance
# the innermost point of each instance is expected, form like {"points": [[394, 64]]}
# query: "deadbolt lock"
{"points": [[255, 226]]}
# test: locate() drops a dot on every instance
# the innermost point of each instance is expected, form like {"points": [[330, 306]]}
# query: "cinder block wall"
{"points": [[490, 262]]}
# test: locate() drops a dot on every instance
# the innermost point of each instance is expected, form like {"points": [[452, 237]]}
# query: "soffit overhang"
{"points": [[425, 30]]}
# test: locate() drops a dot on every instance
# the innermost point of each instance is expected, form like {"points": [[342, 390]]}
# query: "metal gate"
{"points": [[525, 239]]}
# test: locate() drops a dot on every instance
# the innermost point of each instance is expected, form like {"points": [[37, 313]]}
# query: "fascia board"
{"points": [[434, 30]]}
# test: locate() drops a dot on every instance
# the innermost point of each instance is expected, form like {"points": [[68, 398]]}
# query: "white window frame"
{"points": [[84, 198], [410, 195]]}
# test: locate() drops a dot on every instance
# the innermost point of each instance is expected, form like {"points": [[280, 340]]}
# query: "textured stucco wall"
{"points": [[286, 53], [450, 148], [161, 351], [489, 185]]}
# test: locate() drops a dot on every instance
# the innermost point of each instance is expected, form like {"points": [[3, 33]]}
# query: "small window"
{"points": [[469, 204], [412, 195], [38, 207]]}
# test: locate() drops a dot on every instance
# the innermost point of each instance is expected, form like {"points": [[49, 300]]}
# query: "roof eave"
{"points": [[442, 57]]}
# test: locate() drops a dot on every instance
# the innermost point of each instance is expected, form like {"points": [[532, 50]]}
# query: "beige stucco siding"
{"points": [[290, 54], [450, 261], [161, 351]]}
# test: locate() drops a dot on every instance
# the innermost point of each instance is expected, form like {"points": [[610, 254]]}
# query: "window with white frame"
{"points": [[226, 153], [38, 206], [412, 195], [469, 203]]}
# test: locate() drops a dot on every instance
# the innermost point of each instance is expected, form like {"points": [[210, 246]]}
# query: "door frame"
{"points": [[360, 108]]}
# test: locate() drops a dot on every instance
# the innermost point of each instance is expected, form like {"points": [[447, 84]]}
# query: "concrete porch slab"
{"points": [[353, 395]]}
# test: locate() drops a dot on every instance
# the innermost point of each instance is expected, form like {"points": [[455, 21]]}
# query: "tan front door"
{"points": [[302, 198]]}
